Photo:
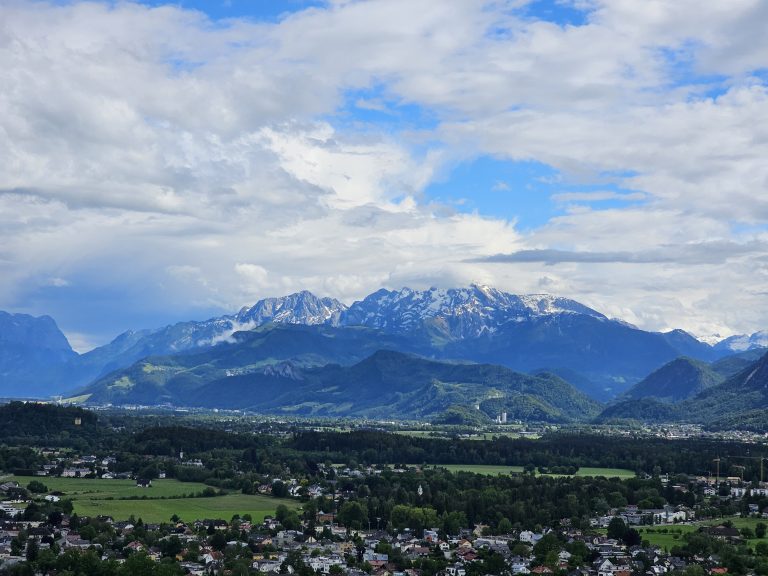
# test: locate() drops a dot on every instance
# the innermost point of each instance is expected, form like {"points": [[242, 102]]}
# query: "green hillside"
{"points": [[675, 381], [386, 384]]}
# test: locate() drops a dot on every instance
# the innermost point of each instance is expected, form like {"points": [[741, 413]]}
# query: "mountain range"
{"points": [[386, 384], [739, 401], [287, 339]]}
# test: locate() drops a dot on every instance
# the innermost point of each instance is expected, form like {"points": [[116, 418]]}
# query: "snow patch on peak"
{"points": [[299, 308], [744, 342], [465, 312]]}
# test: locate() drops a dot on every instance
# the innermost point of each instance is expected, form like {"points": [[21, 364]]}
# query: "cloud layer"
{"points": [[161, 165]]}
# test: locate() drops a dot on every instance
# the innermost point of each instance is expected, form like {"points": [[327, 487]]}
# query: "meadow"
{"points": [[669, 536], [496, 470], [166, 497]]}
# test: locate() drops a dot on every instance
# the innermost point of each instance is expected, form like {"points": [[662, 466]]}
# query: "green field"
{"points": [[607, 472], [488, 470], [509, 432], [188, 509], [165, 498], [496, 470], [98, 489], [674, 536]]}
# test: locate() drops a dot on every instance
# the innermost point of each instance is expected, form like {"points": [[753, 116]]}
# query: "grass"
{"points": [[675, 532], [482, 469], [188, 509], [607, 472], [77, 399], [98, 489], [165, 498], [657, 537], [496, 470]]}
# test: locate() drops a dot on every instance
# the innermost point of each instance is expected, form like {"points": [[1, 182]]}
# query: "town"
{"points": [[125, 511]]}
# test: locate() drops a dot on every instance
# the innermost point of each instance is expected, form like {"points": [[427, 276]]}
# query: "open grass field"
{"points": [[165, 498], [482, 469], [673, 536], [188, 509], [674, 533], [607, 472], [496, 470], [509, 432], [99, 489]]}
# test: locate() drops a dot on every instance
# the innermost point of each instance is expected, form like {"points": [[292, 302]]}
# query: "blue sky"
{"points": [[513, 190], [593, 149]]}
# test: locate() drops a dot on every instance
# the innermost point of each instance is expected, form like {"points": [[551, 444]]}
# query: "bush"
{"points": [[37, 487]]}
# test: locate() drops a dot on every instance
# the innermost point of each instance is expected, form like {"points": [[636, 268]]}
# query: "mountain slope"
{"points": [[744, 392], [475, 324], [680, 379], [687, 345], [190, 337], [734, 363], [608, 353], [33, 354], [264, 351], [741, 401], [459, 313], [743, 342], [387, 384], [300, 308], [643, 410]]}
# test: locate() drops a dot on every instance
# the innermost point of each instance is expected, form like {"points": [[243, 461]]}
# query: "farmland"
{"points": [[122, 498], [496, 470]]}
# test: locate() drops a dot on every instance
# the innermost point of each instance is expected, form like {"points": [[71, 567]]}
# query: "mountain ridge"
{"points": [[476, 323], [384, 384]]}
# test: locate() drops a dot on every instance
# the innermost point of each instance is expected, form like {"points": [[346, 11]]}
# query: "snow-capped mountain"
{"points": [[476, 323], [461, 312], [300, 308], [744, 342]]}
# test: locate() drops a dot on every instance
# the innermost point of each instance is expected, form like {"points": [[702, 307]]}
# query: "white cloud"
{"points": [[151, 153]]}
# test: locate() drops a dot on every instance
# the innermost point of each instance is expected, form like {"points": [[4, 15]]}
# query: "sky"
{"points": [[168, 161]]}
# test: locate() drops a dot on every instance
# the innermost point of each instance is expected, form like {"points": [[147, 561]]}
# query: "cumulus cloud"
{"points": [[187, 167]]}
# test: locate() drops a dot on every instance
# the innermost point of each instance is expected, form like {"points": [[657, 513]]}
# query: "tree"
{"points": [[137, 565], [37, 487], [218, 541], [616, 528], [548, 543], [760, 529], [631, 537], [32, 550], [353, 514], [279, 489], [504, 526]]}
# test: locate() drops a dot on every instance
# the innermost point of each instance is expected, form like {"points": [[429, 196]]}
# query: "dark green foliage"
{"points": [[37, 487], [462, 416], [735, 363], [691, 456], [385, 385], [680, 379], [738, 403], [644, 410], [27, 423]]}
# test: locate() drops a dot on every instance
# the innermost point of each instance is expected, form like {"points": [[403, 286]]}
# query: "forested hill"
{"points": [[385, 385], [35, 422], [738, 403], [561, 449]]}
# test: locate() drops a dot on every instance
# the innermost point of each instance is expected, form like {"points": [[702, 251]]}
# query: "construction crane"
{"points": [[717, 477], [761, 458]]}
